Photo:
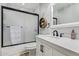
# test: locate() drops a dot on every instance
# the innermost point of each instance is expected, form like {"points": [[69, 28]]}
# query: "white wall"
{"points": [[67, 14], [30, 7], [45, 11]]}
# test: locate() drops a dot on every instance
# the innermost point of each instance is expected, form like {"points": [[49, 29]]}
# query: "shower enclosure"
{"points": [[18, 27]]}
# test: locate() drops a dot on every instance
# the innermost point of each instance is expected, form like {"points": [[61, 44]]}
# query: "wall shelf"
{"points": [[75, 24]]}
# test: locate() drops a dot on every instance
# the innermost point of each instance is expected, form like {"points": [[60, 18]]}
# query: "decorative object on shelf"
{"points": [[73, 34], [54, 21], [43, 23]]}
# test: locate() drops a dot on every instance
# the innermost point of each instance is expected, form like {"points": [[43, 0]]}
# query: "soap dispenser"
{"points": [[73, 34]]}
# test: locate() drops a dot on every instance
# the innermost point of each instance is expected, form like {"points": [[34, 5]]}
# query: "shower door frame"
{"points": [[2, 18]]}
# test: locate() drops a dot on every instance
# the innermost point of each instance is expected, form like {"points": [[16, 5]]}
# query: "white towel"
{"points": [[15, 34]]}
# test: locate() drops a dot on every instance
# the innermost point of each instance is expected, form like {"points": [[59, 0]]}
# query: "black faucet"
{"points": [[54, 33]]}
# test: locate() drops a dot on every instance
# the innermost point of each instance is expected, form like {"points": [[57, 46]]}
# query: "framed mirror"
{"points": [[18, 27], [66, 12]]}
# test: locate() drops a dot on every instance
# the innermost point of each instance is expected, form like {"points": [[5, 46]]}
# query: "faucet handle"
{"points": [[61, 34], [56, 34]]}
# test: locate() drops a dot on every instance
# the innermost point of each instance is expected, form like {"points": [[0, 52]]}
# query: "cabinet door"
{"points": [[43, 49], [57, 53], [38, 52], [47, 50]]}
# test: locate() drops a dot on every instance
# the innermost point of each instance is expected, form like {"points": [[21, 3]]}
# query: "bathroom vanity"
{"points": [[56, 46]]}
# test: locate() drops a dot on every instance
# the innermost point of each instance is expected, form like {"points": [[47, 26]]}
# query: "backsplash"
{"points": [[67, 31]]}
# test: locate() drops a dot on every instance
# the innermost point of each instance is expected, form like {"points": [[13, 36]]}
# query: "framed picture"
{"points": [[54, 21]]}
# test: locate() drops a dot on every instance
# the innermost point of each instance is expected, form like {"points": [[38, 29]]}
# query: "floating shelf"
{"points": [[75, 24]]}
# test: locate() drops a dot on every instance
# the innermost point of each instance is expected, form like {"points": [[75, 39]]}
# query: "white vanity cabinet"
{"points": [[47, 46], [43, 49]]}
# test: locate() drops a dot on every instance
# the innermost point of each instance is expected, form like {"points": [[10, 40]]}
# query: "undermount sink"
{"points": [[60, 38], [56, 37]]}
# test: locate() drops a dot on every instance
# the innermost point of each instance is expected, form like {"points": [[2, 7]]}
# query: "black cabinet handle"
{"points": [[42, 48]]}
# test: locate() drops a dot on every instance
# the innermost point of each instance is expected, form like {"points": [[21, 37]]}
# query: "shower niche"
{"points": [[18, 27]]}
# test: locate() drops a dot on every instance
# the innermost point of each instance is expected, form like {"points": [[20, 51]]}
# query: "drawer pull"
{"points": [[42, 48]]}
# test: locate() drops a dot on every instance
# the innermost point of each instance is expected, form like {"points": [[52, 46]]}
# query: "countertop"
{"points": [[67, 43]]}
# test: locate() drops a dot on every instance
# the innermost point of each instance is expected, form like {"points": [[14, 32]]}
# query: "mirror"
{"points": [[18, 27], [66, 12]]}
